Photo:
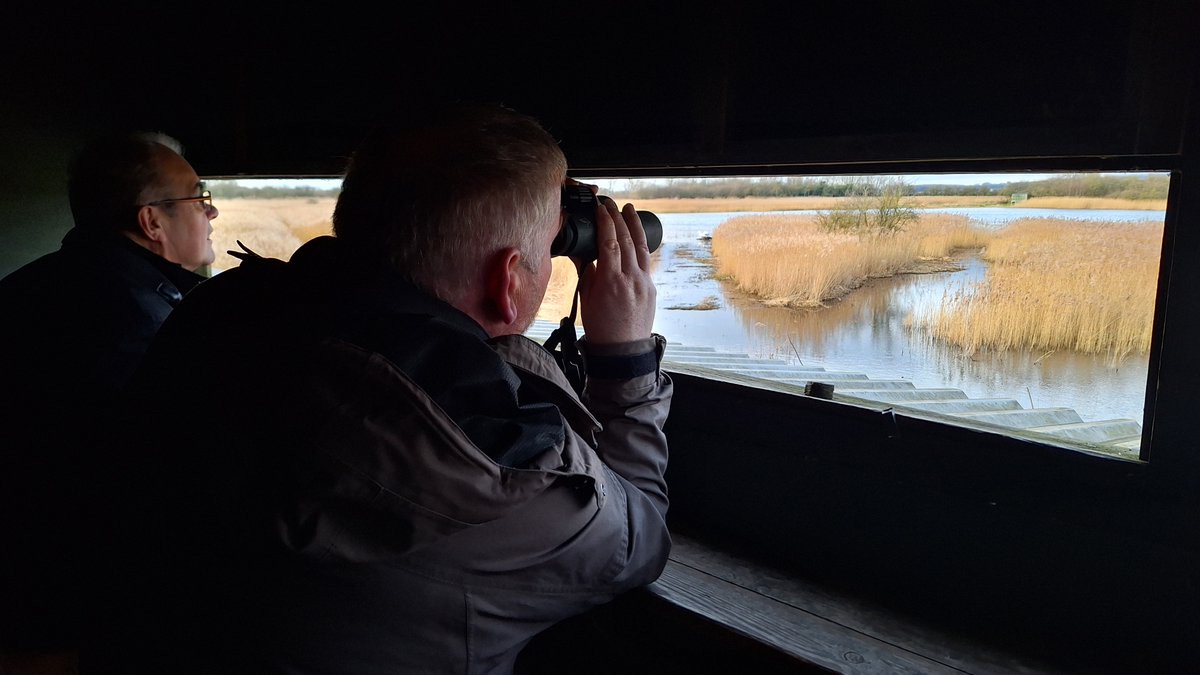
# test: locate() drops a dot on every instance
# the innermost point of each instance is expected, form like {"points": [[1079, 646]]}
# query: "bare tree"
{"points": [[874, 206]]}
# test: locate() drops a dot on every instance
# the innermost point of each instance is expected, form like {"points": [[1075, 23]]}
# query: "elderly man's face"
{"points": [[186, 225]]}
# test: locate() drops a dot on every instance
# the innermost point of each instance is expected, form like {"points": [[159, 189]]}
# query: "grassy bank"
{"points": [[1092, 203], [274, 228], [791, 261], [1058, 284], [1051, 284]]}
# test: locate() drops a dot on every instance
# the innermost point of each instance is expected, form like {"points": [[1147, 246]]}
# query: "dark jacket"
{"points": [[76, 324], [93, 306], [369, 485]]}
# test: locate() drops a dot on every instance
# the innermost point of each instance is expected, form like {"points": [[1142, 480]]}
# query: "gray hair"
{"points": [[107, 179], [440, 193], [159, 137]]}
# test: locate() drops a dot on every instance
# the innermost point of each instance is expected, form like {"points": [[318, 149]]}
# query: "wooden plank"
{"points": [[817, 625], [805, 636]]}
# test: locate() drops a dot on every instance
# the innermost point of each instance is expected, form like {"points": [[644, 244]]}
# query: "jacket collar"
{"points": [[130, 258], [324, 265]]}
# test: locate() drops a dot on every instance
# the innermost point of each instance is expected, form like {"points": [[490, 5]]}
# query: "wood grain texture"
{"points": [[815, 624]]}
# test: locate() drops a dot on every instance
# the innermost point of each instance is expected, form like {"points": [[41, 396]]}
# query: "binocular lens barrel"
{"points": [[577, 239]]}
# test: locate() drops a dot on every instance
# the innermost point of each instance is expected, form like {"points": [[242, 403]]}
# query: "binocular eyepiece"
{"points": [[577, 239]]}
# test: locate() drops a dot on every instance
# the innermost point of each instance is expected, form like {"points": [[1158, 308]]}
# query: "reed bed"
{"points": [[274, 228], [791, 261], [1056, 284], [560, 292], [943, 201], [1092, 203]]}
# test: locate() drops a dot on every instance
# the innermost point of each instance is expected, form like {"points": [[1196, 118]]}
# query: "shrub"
{"points": [[874, 207]]}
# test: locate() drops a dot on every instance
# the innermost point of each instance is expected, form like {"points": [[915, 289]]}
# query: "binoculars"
{"points": [[577, 239]]}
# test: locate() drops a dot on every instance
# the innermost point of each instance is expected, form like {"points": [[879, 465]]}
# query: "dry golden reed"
{"points": [[273, 228], [1092, 203], [1052, 284], [1056, 284], [560, 292], [789, 260]]}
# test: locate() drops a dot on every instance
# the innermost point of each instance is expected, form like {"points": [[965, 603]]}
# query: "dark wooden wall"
{"points": [[631, 86], [1036, 546]]}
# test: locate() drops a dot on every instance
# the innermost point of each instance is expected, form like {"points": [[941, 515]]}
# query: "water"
{"points": [[865, 332], [1000, 215]]}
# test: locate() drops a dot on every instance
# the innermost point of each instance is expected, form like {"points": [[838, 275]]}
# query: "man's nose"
{"points": [[212, 212]]}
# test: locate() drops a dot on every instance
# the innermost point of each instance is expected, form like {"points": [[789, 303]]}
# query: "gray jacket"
{"points": [[350, 511]]}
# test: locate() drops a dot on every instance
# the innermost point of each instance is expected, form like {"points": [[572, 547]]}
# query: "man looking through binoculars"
{"points": [[396, 477]]}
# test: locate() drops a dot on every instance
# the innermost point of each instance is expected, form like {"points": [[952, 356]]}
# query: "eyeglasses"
{"points": [[205, 200]]}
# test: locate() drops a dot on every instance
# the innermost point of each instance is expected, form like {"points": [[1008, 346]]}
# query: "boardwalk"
{"points": [[1120, 437]]}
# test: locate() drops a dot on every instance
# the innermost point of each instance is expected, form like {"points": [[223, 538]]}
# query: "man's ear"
{"points": [[148, 225], [502, 286]]}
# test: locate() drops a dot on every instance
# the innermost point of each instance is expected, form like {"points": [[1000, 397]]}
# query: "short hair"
{"points": [[438, 192], [108, 177]]}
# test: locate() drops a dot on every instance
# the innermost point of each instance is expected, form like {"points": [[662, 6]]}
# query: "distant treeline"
{"points": [[1095, 185], [228, 189], [1067, 185], [725, 188]]}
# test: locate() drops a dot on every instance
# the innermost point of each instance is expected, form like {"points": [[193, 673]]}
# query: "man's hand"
{"points": [[617, 295]]}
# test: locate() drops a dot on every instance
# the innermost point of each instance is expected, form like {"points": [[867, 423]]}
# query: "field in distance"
{"points": [[743, 204]]}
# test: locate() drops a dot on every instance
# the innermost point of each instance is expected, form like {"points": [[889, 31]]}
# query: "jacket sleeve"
{"points": [[616, 538], [632, 406]]}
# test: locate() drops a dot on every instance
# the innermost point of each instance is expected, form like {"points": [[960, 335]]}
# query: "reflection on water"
{"points": [[866, 332]]}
